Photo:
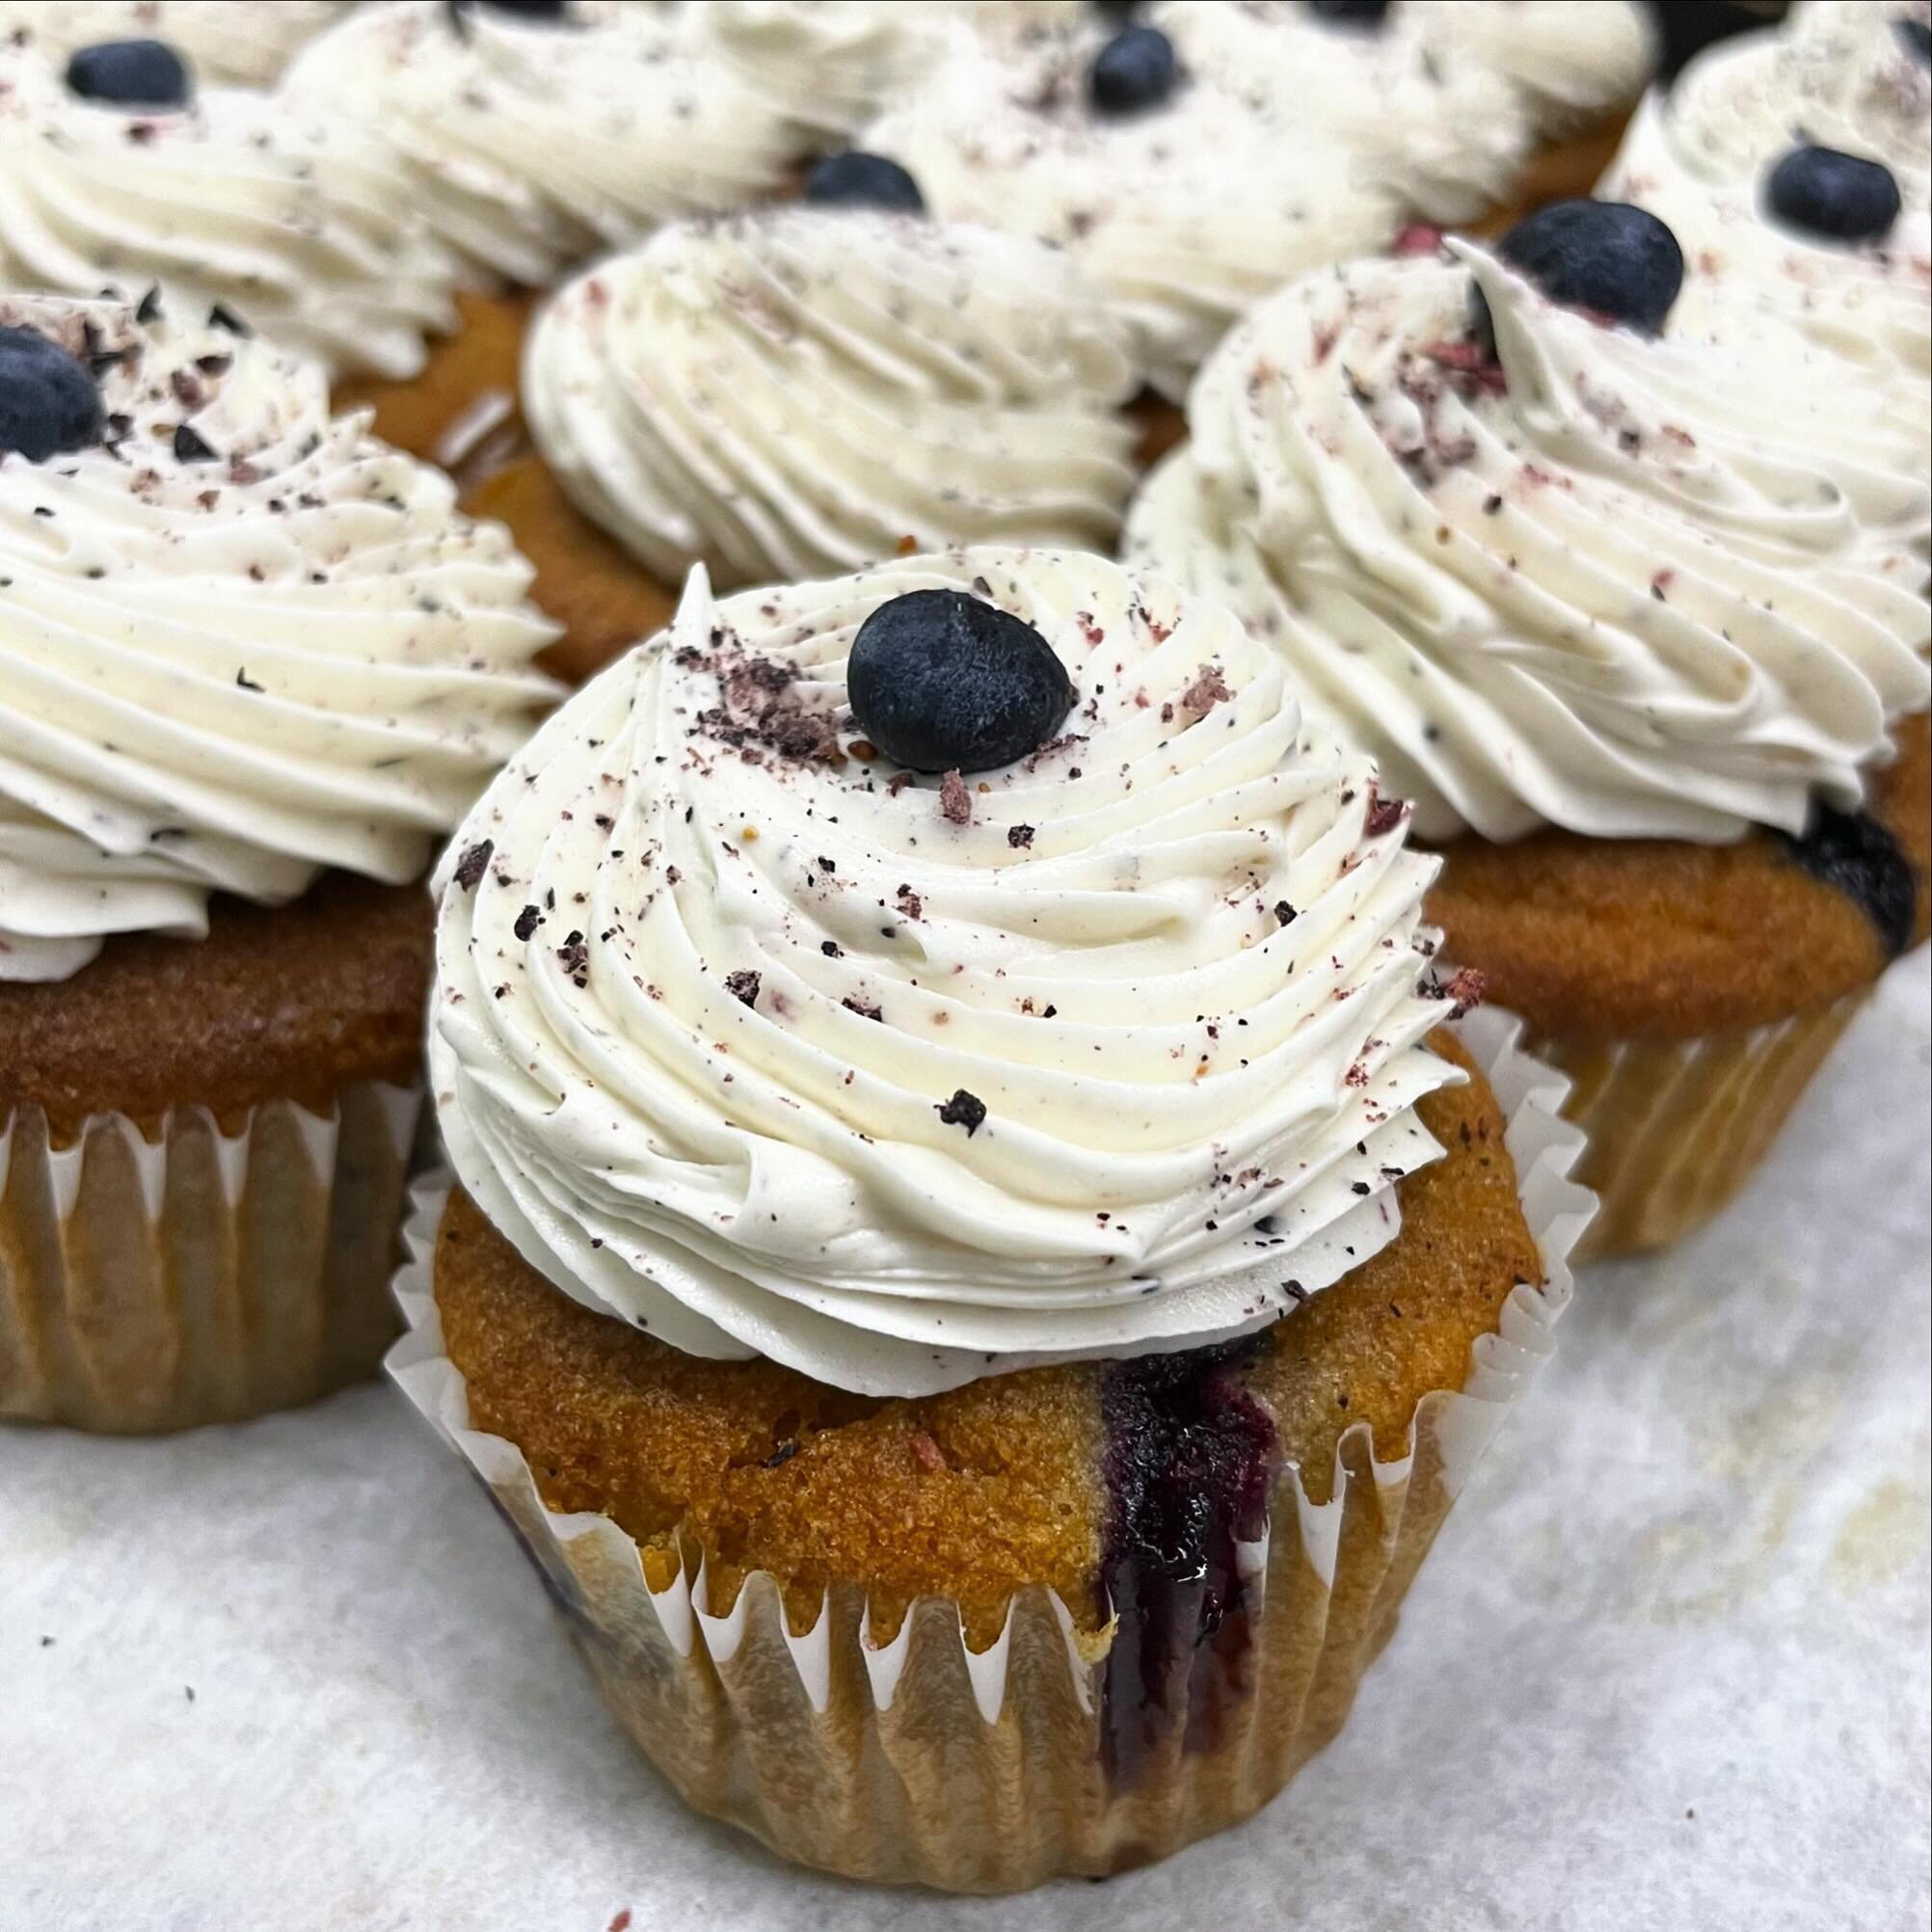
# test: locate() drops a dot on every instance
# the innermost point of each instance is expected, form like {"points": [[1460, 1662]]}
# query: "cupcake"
{"points": [[1633, 620], [796, 393], [1792, 167], [252, 664], [244, 46], [120, 168], [530, 138], [977, 1255]]}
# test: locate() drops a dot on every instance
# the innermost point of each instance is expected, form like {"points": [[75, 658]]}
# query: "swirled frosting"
{"points": [[1568, 62], [1182, 216], [906, 1082], [791, 393], [247, 44], [1697, 157], [299, 222], [238, 643], [530, 145], [1427, 115], [1631, 587]]}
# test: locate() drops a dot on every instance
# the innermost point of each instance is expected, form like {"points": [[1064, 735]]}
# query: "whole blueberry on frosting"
{"points": [[1134, 71], [130, 73], [856, 179], [754, 1037], [221, 41], [941, 679], [240, 642], [1824, 192], [48, 398], [1616, 262]]}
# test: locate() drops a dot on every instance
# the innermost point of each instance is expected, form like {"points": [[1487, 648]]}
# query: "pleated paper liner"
{"points": [[919, 1759], [1676, 1128], [189, 1274]]}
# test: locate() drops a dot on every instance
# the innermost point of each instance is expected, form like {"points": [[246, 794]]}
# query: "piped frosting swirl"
{"points": [[238, 643], [745, 1037], [1625, 586], [789, 393]]}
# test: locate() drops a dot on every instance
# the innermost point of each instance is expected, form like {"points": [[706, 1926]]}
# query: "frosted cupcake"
{"points": [[1636, 624], [252, 665], [245, 45], [530, 138], [785, 394], [958, 1207], [1794, 169], [118, 167]]}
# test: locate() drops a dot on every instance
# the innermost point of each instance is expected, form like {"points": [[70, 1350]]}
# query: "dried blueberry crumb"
{"points": [[190, 447], [473, 864], [964, 1110], [527, 921], [743, 986]]}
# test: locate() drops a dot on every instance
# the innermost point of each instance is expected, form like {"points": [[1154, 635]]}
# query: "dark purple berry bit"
{"points": [[222, 316], [941, 682], [191, 446], [743, 986], [1916, 37], [1841, 197], [855, 179], [1134, 71], [1019, 837], [130, 73], [48, 400], [1855, 854], [1188, 1459], [1617, 263], [472, 865], [149, 308], [527, 921], [964, 1110]]}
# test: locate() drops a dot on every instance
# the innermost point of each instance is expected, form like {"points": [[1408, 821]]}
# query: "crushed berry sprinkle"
{"points": [[190, 447], [743, 986], [471, 865], [1019, 837], [955, 801], [1284, 913], [964, 1110], [1383, 815], [864, 1011], [527, 921]]}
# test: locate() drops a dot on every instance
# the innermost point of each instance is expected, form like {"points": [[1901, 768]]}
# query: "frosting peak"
{"points": [[238, 643], [745, 1035], [1635, 588]]}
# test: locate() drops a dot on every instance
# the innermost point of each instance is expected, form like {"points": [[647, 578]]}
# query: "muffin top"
{"points": [[120, 169], [1585, 576], [238, 642], [1090, 1029], [246, 44], [530, 139], [1731, 159], [806, 390]]}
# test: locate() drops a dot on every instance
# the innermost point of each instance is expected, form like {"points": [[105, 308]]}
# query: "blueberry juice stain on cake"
{"points": [[1188, 1459], [1855, 854]]}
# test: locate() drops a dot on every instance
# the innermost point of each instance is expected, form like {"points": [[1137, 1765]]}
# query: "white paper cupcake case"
{"points": [[202, 1275], [919, 1759]]}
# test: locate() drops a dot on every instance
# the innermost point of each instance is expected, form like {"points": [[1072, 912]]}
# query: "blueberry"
{"points": [[1614, 260], [855, 179], [130, 73], [1135, 69], [941, 682], [1917, 37], [48, 401], [1827, 193], [1350, 12]]}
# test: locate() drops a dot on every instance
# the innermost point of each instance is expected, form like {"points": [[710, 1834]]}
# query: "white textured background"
{"points": [[1668, 1666]]}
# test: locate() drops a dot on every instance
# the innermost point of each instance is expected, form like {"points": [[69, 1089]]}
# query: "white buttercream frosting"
{"points": [[238, 643], [1627, 586], [244, 41], [529, 145], [297, 220], [1698, 156], [902, 1081], [791, 393], [1182, 215]]}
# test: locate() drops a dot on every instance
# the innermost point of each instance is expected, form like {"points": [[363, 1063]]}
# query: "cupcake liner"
{"points": [[917, 1758], [1676, 1128], [158, 1279]]}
